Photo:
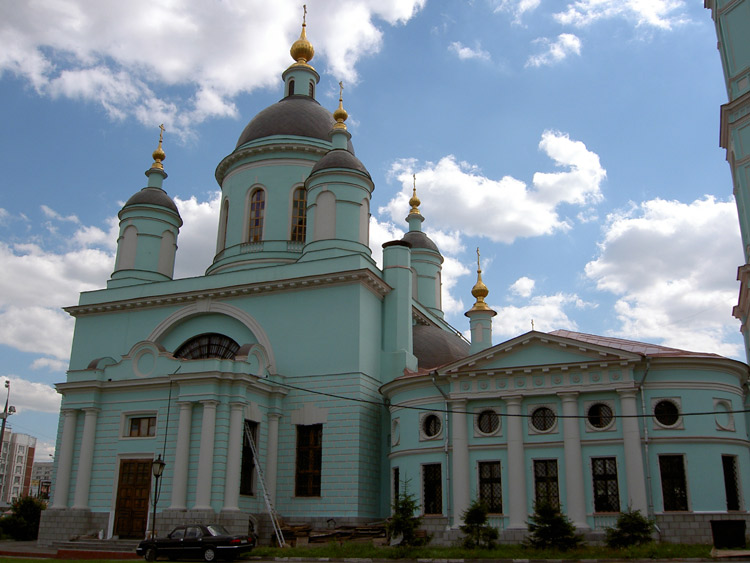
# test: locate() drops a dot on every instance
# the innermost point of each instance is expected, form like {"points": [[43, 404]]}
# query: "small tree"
{"points": [[549, 528], [478, 532], [632, 528], [23, 524], [402, 522]]}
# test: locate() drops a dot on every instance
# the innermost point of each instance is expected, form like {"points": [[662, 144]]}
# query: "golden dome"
{"points": [[302, 50], [414, 201], [480, 291], [158, 155], [340, 114]]}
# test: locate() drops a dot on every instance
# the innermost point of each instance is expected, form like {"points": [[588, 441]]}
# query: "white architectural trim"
{"points": [[611, 427], [478, 432], [423, 437]]}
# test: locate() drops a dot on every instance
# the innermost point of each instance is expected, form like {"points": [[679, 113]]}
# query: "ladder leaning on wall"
{"points": [[269, 507]]}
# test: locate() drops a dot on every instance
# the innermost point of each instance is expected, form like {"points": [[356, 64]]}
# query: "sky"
{"points": [[574, 142]]}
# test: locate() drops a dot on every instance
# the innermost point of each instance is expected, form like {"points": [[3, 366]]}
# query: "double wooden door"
{"points": [[131, 510]]}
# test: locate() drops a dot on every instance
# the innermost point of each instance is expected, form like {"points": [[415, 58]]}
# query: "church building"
{"points": [[350, 382]]}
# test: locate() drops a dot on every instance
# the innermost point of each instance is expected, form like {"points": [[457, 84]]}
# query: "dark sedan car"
{"points": [[196, 541]]}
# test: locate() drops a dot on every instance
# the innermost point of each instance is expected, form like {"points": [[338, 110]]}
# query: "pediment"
{"points": [[539, 350]]}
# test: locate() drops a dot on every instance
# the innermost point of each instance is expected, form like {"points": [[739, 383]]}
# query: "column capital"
{"points": [[629, 393], [234, 405], [210, 403], [91, 410], [568, 395], [514, 400], [273, 415], [458, 402]]}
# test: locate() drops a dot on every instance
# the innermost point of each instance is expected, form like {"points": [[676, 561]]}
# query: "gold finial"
{"points": [[158, 154], [340, 114], [479, 291], [414, 201], [302, 50]]}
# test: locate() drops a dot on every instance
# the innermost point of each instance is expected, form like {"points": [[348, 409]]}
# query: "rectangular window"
{"points": [[432, 488], [673, 483], [141, 426], [490, 487], [309, 460], [247, 471], [546, 488], [606, 490], [396, 478], [731, 481]]}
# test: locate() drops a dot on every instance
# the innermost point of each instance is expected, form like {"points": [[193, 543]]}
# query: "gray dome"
{"points": [[340, 158], [294, 115], [435, 347], [418, 239], [152, 196]]}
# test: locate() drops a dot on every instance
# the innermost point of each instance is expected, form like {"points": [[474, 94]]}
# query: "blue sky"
{"points": [[575, 142]]}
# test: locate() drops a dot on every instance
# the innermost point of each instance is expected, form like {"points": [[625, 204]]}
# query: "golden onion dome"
{"points": [[302, 50], [414, 200], [340, 114], [158, 155], [479, 291]]}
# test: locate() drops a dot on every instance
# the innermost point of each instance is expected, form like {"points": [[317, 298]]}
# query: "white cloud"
{"points": [[672, 266], [465, 53], [555, 51], [662, 14], [517, 7], [380, 233], [505, 205], [546, 311], [523, 287], [32, 396], [197, 239], [119, 54], [452, 270]]}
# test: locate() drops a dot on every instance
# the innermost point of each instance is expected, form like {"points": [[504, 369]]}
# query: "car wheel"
{"points": [[209, 554], [150, 554]]}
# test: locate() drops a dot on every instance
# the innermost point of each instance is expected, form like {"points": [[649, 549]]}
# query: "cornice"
{"points": [[363, 276], [240, 154]]}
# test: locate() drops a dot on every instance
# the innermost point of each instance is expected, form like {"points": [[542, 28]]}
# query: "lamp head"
{"points": [[157, 466], [11, 409]]}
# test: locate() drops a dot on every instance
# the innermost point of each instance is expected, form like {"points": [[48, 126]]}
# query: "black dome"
{"points": [[418, 239], [435, 347], [340, 158], [152, 196], [294, 115]]}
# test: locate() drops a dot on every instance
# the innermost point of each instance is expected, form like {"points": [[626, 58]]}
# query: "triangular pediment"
{"points": [[535, 350]]}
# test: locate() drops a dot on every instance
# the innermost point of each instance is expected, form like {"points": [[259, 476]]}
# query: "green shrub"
{"points": [[23, 524], [549, 528], [402, 522], [632, 528], [478, 532]]}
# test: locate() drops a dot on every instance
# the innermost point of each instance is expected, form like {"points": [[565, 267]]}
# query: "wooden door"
{"points": [[131, 510]]}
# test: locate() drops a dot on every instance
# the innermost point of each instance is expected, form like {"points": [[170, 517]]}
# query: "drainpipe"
{"points": [[448, 490], [649, 495]]}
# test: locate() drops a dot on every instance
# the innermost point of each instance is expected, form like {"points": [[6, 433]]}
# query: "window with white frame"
{"points": [[667, 413], [673, 482]]}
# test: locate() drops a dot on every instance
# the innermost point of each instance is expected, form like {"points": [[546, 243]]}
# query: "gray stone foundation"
{"points": [[689, 527], [66, 524]]}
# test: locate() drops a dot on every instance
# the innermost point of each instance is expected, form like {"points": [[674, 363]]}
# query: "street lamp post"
{"points": [[157, 467], [8, 411]]}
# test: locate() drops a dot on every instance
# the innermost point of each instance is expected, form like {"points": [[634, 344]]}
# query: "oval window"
{"points": [[431, 425]]}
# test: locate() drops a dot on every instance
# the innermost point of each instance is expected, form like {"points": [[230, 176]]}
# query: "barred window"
{"points": [[600, 415], [490, 486], [546, 488], [542, 419], [257, 212], [432, 488], [309, 460], [247, 469], [431, 425], [673, 483], [299, 215], [209, 345], [606, 490], [488, 422], [731, 481]]}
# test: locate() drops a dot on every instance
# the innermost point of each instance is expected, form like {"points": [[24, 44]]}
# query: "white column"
{"points": [[65, 460], [634, 471], [206, 456], [272, 455], [576, 508], [234, 457], [460, 463], [517, 505], [181, 458], [85, 459]]}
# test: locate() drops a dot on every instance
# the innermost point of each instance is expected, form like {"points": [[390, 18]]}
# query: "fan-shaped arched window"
{"points": [[210, 345], [257, 211], [299, 215]]}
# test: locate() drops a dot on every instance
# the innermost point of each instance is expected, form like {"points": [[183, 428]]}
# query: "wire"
{"points": [[385, 403]]}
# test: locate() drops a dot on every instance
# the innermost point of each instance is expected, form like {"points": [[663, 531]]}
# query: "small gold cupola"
{"points": [[302, 50], [340, 114], [158, 155], [479, 291], [414, 201]]}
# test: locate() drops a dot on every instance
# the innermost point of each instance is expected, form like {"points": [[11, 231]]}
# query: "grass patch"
{"points": [[504, 551]]}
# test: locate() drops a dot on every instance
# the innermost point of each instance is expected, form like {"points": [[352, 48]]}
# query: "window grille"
{"points": [[546, 488], [299, 215], [431, 425], [257, 212], [600, 415], [606, 490], [432, 488], [490, 486], [488, 422], [210, 345], [731, 481], [673, 484], [543, 419]]}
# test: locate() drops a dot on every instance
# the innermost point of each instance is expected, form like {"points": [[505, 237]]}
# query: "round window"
{"points": [[542, 419], [600, 415], [431, 425], [488, 422], [666, 413]]}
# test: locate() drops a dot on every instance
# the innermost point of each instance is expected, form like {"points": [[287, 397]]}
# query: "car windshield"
{"points": [[217, 530]]}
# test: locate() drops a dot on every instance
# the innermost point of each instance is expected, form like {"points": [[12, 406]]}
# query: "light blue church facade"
{"points": [[349, 379]]}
